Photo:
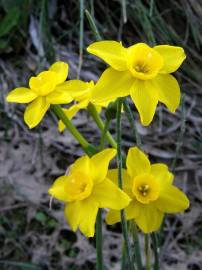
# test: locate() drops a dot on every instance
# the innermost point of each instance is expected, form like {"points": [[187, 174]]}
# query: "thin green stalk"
{"points": [[96, 117], [155, 248], [93, 25], [123, 258], [92, 10], [131, 120], [81, 38], [124, 11], [136, 242], [88, 148], [99, 262], [120, 182], [147, 252], [104, 133]]}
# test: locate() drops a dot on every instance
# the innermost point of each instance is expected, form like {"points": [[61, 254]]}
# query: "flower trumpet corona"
{"points": [[44, 89], [87, 188], [151, 190], [141, 72]]}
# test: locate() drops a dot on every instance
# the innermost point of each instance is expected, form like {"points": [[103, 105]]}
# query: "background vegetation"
{"points": [[33, 34]]}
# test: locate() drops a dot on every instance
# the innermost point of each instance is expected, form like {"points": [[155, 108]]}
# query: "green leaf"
{"points": [[45, 32], [9, 21]]}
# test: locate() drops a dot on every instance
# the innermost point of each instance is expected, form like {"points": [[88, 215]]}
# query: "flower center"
{"points": [[141, 67], [145, 188], [78, 186], [144, 62]]}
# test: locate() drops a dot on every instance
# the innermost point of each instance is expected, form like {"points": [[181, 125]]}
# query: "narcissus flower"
{"points": [[141, 72], [44, 89], [82, 94], [87, 188], [151, 190]]}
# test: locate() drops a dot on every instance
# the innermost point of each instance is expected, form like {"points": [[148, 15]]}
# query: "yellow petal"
{"points": [[76, 88], [112, 84], [168, 91], [83, 104], [112, 52], [44, 83], [61, 126], [131, 211], [35, 111], [72, 214], [127, 180], [100, 164], [108, 195], [162, 175], [137, 162], [59, 96], [145, 96], [82, 164], [149, 218], [21, 95], [173, 57], [57, 190], [98, 108], [112, 217], [70, 113], [61, 70], [88, 214], [172, 200]]}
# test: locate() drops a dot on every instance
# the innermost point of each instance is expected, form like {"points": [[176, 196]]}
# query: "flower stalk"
{"points": [[120, 182], [131, 120], [147, 252], [96, 117], [99, 262], [88, 148], [104, 133], [155, 248], [136, 243]]}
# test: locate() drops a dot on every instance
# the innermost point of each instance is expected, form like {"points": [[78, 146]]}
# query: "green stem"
{"points": [[104, 133], [99, 262], [136, 242], [120, 181], [96, 117], [124, 11], [81, 38], [147, 252], [131, 120], [123, 258], [88, 148], [93, 25], [156, 254]]}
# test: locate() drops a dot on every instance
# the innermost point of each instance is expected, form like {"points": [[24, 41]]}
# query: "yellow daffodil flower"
{"points": [[141, 72], [44, 89], [151, 190], [87, 188], [82, 94]]}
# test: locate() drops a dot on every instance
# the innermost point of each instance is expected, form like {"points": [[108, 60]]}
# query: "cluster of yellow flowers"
{"points": [[148, 192]]}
